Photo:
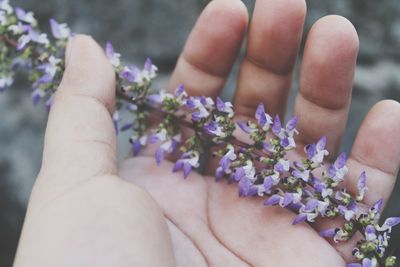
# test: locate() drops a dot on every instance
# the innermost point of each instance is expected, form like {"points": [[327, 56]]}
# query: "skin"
{"points": [[85, 210]]}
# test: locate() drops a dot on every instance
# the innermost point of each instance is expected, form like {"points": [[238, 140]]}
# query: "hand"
{"points": [[82, 214]]}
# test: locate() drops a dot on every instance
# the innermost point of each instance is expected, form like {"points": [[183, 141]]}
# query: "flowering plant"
{"points": [[260, 167]]}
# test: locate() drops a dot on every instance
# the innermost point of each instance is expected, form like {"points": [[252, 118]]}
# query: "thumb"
{"points": [[80, 138]]}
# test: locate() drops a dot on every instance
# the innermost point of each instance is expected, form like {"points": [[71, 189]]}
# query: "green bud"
{"points": [[367, 247], [390, 261], [348, 227]]}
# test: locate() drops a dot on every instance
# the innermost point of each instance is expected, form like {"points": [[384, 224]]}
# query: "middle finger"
{"points": [[273, 43]]}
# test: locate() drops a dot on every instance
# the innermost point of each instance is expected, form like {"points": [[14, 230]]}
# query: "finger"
{"points": [[210, 51], [211, 48], [80, 138], [326, 81], [374, 153], [273, 42]]}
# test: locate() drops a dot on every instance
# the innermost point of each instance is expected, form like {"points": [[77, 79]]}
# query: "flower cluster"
{"points": [[25, 46], [185, 126]]}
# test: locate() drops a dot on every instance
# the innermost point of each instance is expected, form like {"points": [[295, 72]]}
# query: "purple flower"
{"points": [[132, 107], [239, 173], [167, 147], [365, 263], [131, 74], [149, 71], [362, 186], [26, 17], [370, 233], [249, 170], [112, 56], [247, 127], [244, 186], [44, 79], [269, 182], [159, 97], [291, 126], [37, 95], [19, 28], [302, 217], [201, 106], [268, 147], [138, 143], [225, 107], [126, 126], [307, 212], [338, 170], [49, 103], [59, 30], [213, 128], [190, 103], [301, 174], [285, 134], [273, 200], [283, 201], [180, 92], [349, 212], [317, 152], [311, 210], [159, 135], [23, 41], [50, 68], [225, 163], [389, 223], [263, 119], [116, 120], [329, 233], [282, 165], [277, 126], [273, 179], [187, 162], [31, 36], [377, 207], [321, 187]]}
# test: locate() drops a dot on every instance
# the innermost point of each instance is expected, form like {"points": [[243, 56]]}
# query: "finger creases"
{"points": [[211, 48], [326, 81], [273, 43]]}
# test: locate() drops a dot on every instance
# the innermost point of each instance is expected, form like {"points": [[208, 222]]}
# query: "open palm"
{"points": [[90, 217]]}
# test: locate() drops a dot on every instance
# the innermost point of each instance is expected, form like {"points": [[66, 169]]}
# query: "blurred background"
{"points": [[158, 29]]}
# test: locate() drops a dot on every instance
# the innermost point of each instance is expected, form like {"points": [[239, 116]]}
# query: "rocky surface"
{"points": [[158, 28]]}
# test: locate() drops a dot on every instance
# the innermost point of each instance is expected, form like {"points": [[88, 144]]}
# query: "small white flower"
{"points": [[59, 30], [150, 70], [40, 39], [113, 56], [5, 81], [194, 160], [26, 17], [16, 28], [51, 67], [5, 6], [231, 153], [161, 135], [249, 170], [3, 18]]}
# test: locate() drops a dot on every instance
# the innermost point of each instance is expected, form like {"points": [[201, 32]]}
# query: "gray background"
{"points": [[158, 28]]}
